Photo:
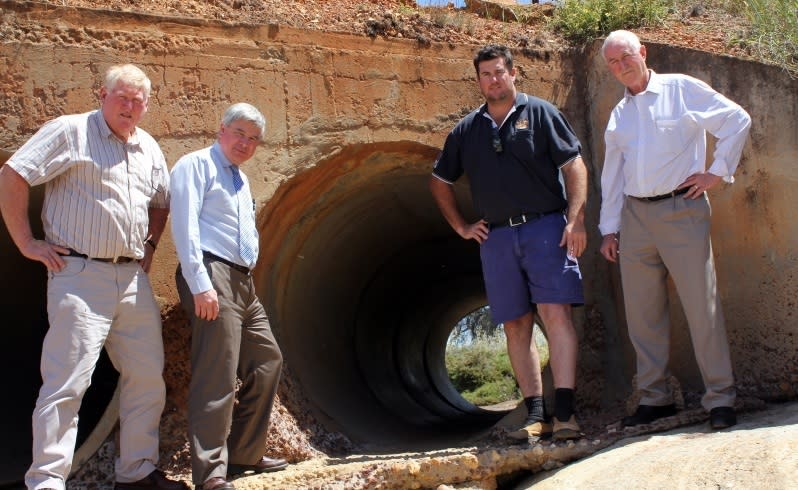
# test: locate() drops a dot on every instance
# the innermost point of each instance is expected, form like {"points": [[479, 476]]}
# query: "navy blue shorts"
{"points": [[524, 265]]}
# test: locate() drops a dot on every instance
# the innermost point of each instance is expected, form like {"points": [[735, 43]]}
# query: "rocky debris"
{"points": [[708, 28], [498, 10]]}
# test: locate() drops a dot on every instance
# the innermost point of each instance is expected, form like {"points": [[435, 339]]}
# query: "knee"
{"points": [[276, 363], [518, 325], [556, 317], [270, 365]]}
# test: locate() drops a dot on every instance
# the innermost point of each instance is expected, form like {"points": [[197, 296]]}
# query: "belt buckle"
{"points": [[518, 220]]}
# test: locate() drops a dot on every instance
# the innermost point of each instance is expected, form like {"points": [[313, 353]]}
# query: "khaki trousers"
{"points": [[238, 343], [92, 304], [671, 236]]}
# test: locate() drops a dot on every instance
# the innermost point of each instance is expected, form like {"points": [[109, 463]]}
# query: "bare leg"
{"points": [[563, 343], [524, 356]]}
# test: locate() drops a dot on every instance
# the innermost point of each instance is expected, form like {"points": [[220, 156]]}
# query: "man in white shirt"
{"points": [[213, 227], [654, 186]]}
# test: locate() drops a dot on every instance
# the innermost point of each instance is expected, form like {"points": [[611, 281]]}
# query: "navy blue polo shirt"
{"points": [[536, 141]]}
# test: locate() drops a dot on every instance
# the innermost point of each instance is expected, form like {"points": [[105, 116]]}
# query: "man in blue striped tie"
{"points": [[213, 227]]}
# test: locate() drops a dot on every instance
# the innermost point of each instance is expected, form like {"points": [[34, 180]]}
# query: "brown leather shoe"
{"points": [[154, 481], [216, 483], [265, 465]]}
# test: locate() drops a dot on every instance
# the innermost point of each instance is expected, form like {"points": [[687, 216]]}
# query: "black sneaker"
{"points": [[645, 414], [722, 417]]}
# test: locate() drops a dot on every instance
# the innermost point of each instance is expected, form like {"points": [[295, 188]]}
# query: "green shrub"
{"points": [[480, 362], [581, 21], [493, 392], [480, 370]]}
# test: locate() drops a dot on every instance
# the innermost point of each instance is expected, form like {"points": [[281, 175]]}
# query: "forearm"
{"points": [[157, 217], [14, 196], [575, 174], [444, 196]]}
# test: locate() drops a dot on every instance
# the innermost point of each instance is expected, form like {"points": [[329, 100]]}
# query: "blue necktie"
{"points": [[247, 234]]}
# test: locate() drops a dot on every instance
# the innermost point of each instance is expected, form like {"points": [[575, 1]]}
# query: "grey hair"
{"points": [[247, 112], [130, 75], [629, 39]]}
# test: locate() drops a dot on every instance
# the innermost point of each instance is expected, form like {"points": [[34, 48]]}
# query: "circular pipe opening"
{"points": [[25, 300], [364, 281]]}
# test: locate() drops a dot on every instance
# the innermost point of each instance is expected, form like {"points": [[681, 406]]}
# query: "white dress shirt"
{"points": [[204, 211], [656, 139]]}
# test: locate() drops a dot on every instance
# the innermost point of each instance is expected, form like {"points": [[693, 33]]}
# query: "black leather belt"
{"points": [[677, 192], [113, 260], [520, 219], [240, 268]]}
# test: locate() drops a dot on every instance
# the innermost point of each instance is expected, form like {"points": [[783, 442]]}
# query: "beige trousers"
{"points": [[90, 305], [671, 236], [238, 343]]}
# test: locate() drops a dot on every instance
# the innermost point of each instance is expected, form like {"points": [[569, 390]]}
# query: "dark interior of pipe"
{"points": [[374, 280], [23, 295]]}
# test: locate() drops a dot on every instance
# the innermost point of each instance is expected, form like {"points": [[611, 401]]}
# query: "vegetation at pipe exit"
{"points": [[477, 360], [480, 370]]}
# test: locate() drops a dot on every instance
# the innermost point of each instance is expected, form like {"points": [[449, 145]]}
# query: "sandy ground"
{"points": [[760, 452]]}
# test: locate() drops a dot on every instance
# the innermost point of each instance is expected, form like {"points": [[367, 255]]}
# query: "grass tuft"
{"points": [[774, 32], [581, 21]]}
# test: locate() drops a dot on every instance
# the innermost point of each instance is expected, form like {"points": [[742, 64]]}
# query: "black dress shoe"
{"points": [[645, 414], [722, 417], [265, 465], [216, 483], [154, 481]]}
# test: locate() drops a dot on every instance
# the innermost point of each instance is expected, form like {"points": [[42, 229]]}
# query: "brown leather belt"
{"points": [[114, 260]]}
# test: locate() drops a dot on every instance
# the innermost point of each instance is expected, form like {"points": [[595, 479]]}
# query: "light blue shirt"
{"points": [[204, 212]]}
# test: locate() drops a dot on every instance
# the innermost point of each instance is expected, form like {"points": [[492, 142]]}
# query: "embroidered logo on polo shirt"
{"points": [[522, 124]]}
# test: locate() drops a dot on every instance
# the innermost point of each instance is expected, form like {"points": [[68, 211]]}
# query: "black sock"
{"points": [[563, 403], [535, 407]]}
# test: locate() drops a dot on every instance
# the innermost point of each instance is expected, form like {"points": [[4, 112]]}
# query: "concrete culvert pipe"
{"points": [[23, 293], [364, 281]]}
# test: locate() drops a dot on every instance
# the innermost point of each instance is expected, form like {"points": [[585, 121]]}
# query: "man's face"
{"points": [[496, 82], [122, 108], [628, 66], [239, 140]]}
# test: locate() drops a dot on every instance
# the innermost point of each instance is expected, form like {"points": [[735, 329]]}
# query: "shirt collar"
{"points": [[521, 99], [218, 155], [654, 85], [106, 132]]}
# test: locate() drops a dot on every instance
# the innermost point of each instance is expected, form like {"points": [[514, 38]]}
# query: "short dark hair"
{"points": [[493, 51]]}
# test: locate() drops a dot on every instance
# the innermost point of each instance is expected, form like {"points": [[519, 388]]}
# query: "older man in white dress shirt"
{"points": [[653, 192]]}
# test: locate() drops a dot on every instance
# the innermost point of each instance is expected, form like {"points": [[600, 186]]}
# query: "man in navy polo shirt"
{"points": [[513, 149]]}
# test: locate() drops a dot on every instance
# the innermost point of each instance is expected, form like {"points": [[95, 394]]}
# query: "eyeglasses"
{"points": [[497, 141]]}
